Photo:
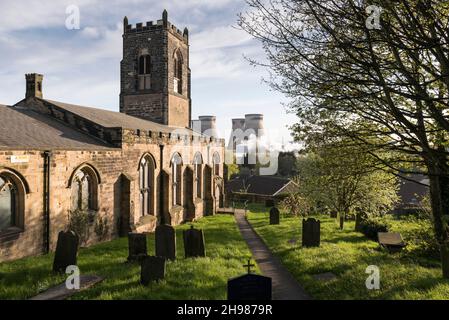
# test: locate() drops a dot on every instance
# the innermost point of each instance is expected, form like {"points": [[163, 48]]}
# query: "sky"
{"points": [[82, 66]]}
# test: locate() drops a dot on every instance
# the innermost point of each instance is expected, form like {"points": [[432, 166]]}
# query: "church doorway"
{"points": [[125, 205]]}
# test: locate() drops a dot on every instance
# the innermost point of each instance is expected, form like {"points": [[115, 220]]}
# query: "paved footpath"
{"points": [[285, 287]]}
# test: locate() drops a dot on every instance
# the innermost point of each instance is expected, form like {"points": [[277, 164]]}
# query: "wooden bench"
{"points": [[392, 241]]}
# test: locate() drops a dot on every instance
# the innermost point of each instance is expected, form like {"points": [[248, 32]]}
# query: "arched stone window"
{"points": [[176, 164], [84, 189], [146, 185], [144, 72], [12, 201], [197, 163], [217, 161], [177, 72]]}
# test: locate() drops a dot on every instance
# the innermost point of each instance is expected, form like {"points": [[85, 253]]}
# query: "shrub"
{"points": [[79, 223], [371, 226], [419, 236], [101, 228], [295, 205]]}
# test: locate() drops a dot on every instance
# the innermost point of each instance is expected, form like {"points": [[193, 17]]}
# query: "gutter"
{"points": [[46, 201]]}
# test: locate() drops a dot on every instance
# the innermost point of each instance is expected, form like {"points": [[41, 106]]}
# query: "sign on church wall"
{"points": [[20, 159]]}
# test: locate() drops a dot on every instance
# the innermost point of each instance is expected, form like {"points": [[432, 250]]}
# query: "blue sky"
{"points": [[82, 66]]}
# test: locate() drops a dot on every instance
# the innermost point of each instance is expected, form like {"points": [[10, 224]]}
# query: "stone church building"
{"points": [[119, 171]]}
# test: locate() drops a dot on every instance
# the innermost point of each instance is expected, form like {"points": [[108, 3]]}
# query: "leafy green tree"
{"points": [[385, 85], [343, 179]]}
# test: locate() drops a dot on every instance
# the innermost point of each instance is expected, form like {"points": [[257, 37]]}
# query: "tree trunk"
{"points": [[342, 219], [439, 197]]}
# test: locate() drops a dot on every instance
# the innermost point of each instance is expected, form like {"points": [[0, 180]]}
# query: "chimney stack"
{"points": [[34, 85]]}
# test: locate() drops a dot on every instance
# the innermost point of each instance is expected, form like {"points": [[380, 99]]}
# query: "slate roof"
{"points": [[411, 193], [259, 185], [112, 119], [21, 128]]}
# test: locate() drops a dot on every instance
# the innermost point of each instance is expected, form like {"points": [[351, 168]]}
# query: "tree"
{"points": [[343, 179], [385, 86]]}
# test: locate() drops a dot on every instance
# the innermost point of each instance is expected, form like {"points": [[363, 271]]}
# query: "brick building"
{"points": [[126, 171]]}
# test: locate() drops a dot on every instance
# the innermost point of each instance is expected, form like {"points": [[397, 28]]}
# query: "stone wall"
{"points": [[112, 165], [160, 103]]}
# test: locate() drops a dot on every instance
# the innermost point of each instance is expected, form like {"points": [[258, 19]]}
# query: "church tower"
{"points": [[155, 73]]}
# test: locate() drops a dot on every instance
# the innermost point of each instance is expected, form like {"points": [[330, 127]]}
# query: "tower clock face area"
{"points": [[155, 74]]}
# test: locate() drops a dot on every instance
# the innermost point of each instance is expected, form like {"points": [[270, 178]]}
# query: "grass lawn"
{"points": [[347, 254], [199, 278]]}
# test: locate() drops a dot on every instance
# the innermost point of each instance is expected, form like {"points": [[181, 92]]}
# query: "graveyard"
{"points": [[336, 269], [199, 278]]}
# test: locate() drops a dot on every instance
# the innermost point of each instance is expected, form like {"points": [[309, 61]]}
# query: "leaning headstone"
{"points": [[250, 287], [194, 243], [66, 251], [310, 232], [137, 246], [152, 269], [274, 215], [269, 203], [166, 242]]}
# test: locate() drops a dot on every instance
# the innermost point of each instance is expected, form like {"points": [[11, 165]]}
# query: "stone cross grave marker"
{"points": [[274, 215], [194, 243], [152, 269], [66, 251], [166, 242], [310, 232], [137, 246], [250, 286]]}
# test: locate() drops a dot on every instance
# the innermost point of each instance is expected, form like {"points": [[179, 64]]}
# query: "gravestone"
{"points": [[391, 240], [166, 242], [310, 232], [269, 203], [152, 269], [274, 215], [250, 286], [137, 246], [194, 243], [66, 251], [334, 214]]}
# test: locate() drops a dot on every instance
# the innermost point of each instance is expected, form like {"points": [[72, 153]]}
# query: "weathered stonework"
{"points": [[162, 41]]}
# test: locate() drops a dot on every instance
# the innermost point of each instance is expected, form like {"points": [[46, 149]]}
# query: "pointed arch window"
{"points": [[84, 190], [8, 203], [176, 164], [146, 185], [198, 167], [12, 201], [177, 72], [145, 72]]}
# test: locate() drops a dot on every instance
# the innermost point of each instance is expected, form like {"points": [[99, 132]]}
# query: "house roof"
{"points": [[411, 192], [113, 119], [22, 128], [260, 185]]}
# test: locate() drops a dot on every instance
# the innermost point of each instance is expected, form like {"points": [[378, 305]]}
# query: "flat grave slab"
{"points": [[391, 240], [60, 292], [325, 277]]}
